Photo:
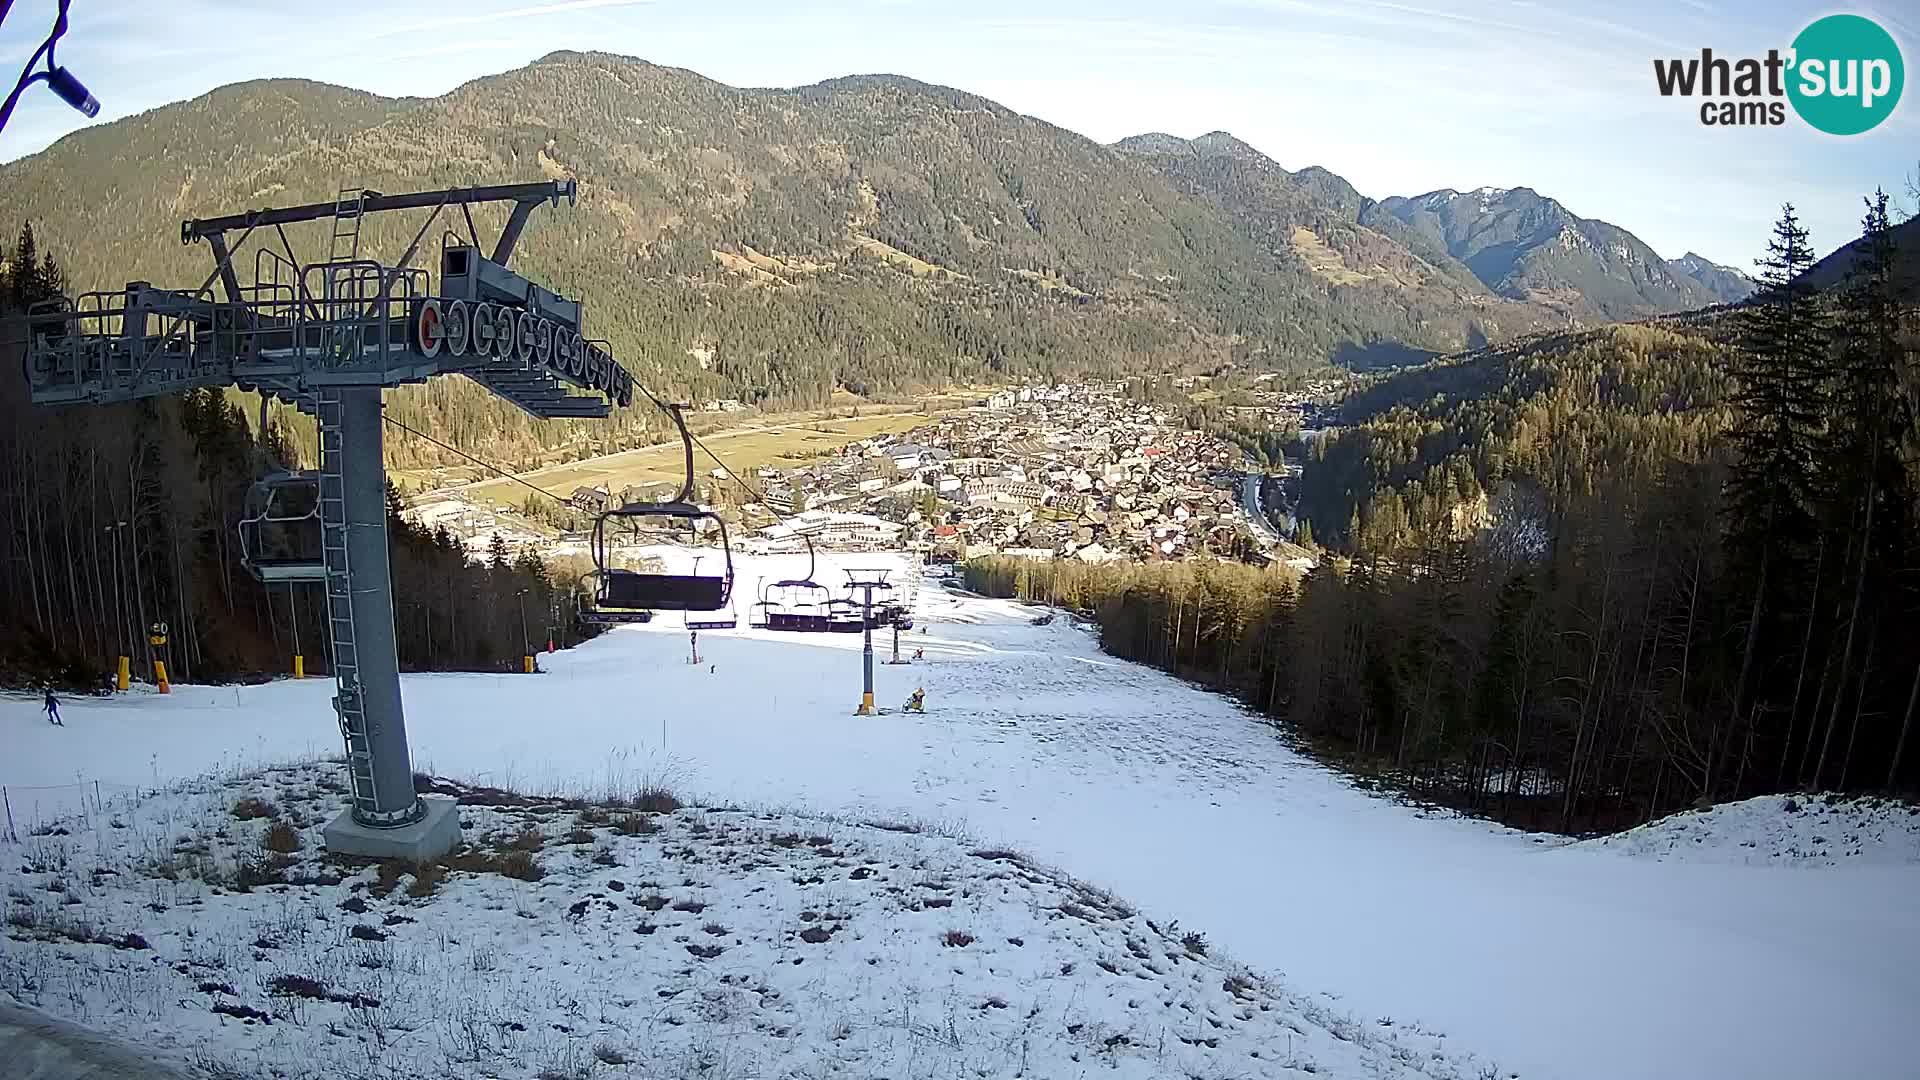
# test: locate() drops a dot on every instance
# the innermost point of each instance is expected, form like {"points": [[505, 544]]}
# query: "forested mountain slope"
{"points": [[1626, 568], [871, 233]]}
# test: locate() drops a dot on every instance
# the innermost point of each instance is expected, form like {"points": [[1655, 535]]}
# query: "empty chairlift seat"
{"points": [[281, 532], [624, 595], [662, 592]]}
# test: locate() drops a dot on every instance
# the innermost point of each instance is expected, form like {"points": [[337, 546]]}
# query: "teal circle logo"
{"points": [[1846, 74]]}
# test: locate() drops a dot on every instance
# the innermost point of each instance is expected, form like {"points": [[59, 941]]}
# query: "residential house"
{"points": [[592, 500]]}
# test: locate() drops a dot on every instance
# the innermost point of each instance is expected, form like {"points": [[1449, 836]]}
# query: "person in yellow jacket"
{"points": [[918, 702]]}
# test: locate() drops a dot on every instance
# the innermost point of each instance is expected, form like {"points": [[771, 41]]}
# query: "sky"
{"points": [[1400, 98]]}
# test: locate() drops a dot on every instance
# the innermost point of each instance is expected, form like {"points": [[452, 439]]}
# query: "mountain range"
{"points": [[869, 233], [1508, 242]]}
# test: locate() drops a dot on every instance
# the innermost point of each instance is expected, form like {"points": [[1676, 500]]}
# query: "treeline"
{"points": [[1708, 588], [113, 518]]}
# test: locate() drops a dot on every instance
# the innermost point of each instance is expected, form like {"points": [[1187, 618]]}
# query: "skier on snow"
{"points": [[53, 708]]}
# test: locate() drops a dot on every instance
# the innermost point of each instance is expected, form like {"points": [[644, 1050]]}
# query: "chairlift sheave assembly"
{"points": [[622, 595]]}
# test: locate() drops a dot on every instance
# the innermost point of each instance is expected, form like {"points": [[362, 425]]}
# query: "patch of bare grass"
{"points": [[514, 864]]}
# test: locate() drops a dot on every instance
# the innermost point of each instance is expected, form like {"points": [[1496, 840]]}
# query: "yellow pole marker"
{"points": [[157, 637]]}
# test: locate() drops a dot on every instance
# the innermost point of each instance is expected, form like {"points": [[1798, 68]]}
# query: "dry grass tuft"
{"points": [[634, 824], [526, 840], [387, 877], [523, 866], [655, 800], [298, 986], [253, 807], [281, 838], [426, 880]]}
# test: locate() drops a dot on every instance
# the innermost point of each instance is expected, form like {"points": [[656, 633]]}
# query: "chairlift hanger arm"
{"points": [[686, 441], [527, 196]]}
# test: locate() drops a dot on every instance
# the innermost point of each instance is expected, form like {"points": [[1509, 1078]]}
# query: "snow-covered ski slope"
{"points": [[685, 945], [1555, 960]]}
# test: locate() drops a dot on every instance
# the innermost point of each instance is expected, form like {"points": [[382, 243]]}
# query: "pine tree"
{"points": [[1861, 450], [23, 270], [530, 563], [1780, 395], [1868, 510], [49, 280], [497, 555]]}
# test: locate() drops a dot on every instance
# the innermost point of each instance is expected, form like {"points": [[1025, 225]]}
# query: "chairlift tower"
{"points": [[867, 581], [327, 337]]}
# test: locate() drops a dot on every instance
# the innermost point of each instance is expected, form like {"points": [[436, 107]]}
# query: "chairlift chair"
{"points": [[851, 612], [798, 605], [898, 615], [757, 612], [282, 512], [844, 616], [621, 592], [727, 621], [590, 612], [796, 610]]}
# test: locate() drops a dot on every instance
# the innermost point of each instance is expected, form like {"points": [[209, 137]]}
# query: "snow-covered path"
{"points": [[1575, 962]]}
